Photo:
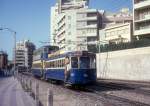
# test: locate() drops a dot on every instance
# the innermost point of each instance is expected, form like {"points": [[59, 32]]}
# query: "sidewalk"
{"points": [[12, 94]]}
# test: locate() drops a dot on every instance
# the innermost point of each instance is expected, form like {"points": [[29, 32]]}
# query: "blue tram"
{"points": [[82, 67]]}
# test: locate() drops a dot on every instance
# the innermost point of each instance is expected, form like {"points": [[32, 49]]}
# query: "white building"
{"points": [[117, 27], [141, 18], [73, 24], [64, 5], [24, 53], [119, 33], [122, 16]]}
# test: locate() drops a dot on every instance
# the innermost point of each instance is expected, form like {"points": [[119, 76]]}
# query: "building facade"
{"points": [[141, 9], [3, 60], [119, 33], [64, 5], [24, 53], [73, 25], [117, 27], [122, 16]]}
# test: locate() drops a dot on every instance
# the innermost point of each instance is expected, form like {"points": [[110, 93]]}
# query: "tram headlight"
{"points": [[72, 74], [85, 75]]}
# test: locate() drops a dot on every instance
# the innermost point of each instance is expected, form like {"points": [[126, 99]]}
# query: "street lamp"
{"points": [[14, 36]]}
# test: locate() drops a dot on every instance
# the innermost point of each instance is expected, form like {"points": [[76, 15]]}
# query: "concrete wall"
{"points": [[130, 64]]}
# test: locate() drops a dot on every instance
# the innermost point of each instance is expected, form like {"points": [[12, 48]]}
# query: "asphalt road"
{"points": [[12, 94]]}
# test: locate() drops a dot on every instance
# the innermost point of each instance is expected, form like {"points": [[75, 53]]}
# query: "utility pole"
{"points": [[14, 37]]}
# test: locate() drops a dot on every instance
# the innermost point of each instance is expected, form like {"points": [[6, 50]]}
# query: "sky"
{"points": [[31, 19]]}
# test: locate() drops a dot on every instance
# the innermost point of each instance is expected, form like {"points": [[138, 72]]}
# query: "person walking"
{"points": [[67, 69]]}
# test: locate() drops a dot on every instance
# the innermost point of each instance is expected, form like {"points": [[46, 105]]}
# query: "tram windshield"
{"points": [[84, 62], [74, 62]]}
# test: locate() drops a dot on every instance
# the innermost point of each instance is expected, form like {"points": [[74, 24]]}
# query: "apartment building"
{"points": [[122, 16], [141, 9], [117, 27], [119, 33], [59, 10], [73, 25], [64, 5], [24, 53]]}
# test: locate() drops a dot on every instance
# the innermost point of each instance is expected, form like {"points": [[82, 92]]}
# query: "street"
{"points": [[12, 94]]}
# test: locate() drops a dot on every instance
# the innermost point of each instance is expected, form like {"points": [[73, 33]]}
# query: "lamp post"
{"points": [[14, 37]]}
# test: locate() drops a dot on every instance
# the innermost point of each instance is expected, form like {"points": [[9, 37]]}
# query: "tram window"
{"points": [[60, 63], [57, 63], [63, 63], [74, 62], [49, 64], [84, 62], [52, 64], [46, 64]]}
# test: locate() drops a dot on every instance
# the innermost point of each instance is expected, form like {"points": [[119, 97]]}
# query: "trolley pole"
{"points": [[14, 37]]}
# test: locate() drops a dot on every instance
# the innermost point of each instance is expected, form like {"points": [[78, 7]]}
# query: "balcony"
{"points": [[61, 31], [142, 5], [61, 24], [91, 34], [88, 26], [142, 31], [87, 18], [145, 18]]}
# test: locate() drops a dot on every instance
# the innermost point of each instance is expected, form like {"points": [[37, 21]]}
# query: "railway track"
{"points": [[112, 87], [130, 88], [120, 99]]}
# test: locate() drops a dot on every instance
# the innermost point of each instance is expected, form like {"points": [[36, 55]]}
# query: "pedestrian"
{"points": [[67, 68]]}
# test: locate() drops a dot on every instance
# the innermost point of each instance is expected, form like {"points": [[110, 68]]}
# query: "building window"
{"points": [[83, 32], [69, 26], [69, 17], [69, 33]]}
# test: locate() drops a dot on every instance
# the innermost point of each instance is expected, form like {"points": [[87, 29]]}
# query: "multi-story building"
{"points": [[3, 60], [24, 53], [119, 33], [141, 10], [73, 25], [117, 27], [64, 5], [110, 19]]}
